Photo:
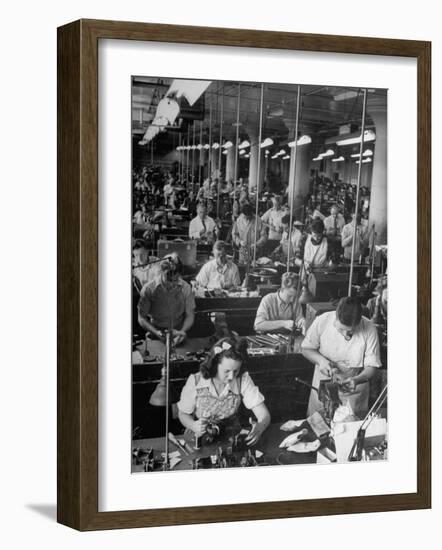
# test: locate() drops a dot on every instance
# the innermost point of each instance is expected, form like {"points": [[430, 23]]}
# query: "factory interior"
{"points": [[259, 274]]}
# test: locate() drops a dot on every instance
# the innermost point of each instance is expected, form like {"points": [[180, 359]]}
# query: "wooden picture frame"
{"points": [[77, 461]]}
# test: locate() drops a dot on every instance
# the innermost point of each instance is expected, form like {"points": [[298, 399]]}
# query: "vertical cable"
{"points": [[292, 191], [358, 185], [258, 172]]}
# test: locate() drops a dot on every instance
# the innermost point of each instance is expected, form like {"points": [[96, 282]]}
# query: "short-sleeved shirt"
{"points": [[273, 308], [166, 306], [361, 351], [273, 218], [212, 275], [199, 397]]}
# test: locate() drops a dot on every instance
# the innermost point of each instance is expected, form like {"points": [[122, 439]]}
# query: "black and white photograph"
{"points": [[259, 274]]}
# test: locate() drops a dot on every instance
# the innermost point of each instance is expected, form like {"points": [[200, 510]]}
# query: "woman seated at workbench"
{"points": [[215, 394]]}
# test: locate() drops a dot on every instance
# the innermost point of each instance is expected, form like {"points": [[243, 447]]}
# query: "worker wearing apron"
{"points": [[215, 393], [346, 344]]}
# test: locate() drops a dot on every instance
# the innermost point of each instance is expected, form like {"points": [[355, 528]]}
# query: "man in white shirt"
{"points": [[316, 246], [361, 239], [203, 227], [219, 272], [243, 234], [277, 309], [333, 228], [345, 344], [273, 221]]}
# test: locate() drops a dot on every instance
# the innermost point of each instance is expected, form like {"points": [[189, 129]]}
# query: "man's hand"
{"points": [[325, 367], [199, 427], [300, 324], [288, 325], [178, 337], [349, 385]]}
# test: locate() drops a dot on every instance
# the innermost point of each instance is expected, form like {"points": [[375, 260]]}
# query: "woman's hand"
{"points": [[199, 427], [255, 433]]}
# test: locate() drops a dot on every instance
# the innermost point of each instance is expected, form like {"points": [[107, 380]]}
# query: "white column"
{"points": [[230, 164], [378, 200]]}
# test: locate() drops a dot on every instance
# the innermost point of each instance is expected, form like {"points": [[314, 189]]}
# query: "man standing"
{"points": [[344, 344], [203, 227], [316, 246], [219, 272], [333, 228], [273, 221], [361, 238], [243, 234]]}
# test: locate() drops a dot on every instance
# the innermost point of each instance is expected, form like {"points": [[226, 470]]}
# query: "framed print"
{"points": [[243, 275]]}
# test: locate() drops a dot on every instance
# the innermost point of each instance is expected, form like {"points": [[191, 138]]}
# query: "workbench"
{"points": [[268, 444]]}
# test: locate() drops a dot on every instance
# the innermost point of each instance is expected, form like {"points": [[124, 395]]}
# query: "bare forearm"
{"points": [[146, 325], [188, 322], [262, 415], [365, 375], [186, 420], [312, 355], [267, 326]]}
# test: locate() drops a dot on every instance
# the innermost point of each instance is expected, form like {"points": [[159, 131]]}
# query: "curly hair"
{"points": [[237, 351]]}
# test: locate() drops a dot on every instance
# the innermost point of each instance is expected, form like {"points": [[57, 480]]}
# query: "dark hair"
{"points": [[317, 226], [247, 210], [349, 311], [285, 219], [172, 264], [219, 245], [237, 351], [139, 243]]}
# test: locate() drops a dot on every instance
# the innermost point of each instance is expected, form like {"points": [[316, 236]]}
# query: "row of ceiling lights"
{"points": [[369, 135]]}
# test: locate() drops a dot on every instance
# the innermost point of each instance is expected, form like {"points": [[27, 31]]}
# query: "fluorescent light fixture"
{"points": [[199, 146], [224, 152], [193, 147], [215, 145], [366, 153], [267, 152], [303, 140], [266, 143], [339, 159], [247, 156], [365, 161], [206, 146], [345, 95], [275, 156], [244, 144], [281, 152], [317, 158], [285, 157], [227, 145], [242, 152], [369, 135], [328, 153]]}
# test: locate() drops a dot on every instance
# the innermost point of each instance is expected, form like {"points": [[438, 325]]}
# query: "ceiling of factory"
{"points": [[323, 109]]}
